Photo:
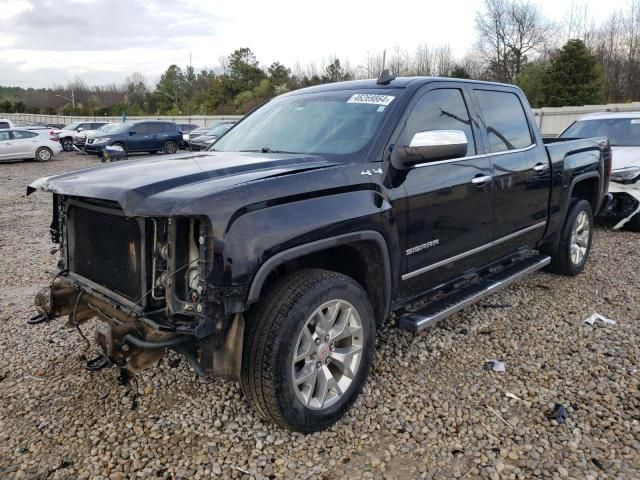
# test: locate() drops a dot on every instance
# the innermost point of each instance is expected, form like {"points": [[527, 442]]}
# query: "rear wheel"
{"points": [[575, 240], [67, 144], [44, 154], [307, 349], [170, 147]]}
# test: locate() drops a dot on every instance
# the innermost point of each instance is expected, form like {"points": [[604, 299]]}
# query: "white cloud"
{"points": [[105, 40]]}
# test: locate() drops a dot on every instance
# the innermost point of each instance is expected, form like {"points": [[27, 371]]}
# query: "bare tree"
{"points": [[509, 33]]}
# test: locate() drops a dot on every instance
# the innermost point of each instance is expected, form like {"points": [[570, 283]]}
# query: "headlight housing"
{"points": [[626, 175], [98, 141], [185, 137]]}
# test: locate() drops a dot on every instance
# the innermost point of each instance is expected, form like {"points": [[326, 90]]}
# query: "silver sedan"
{"points": [[18, 144]]}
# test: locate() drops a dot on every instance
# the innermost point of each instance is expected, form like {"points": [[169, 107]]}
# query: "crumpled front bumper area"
{"points": [[632, 190], [132, 341]]}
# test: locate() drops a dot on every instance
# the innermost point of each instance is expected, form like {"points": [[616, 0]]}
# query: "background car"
{"points": [[143, 136], [204, 130], [202, 142], [80, 138], [18, 143], [623, 131], [6, 123], [67, 133], [186, 129]]}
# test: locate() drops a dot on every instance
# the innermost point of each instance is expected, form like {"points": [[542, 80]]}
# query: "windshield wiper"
{"points": [[266, 150]]}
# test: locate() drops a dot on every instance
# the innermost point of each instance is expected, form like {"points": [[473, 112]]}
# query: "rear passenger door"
{"points": [[24, 143], [449, 202], [521, 173], [158, 134]]}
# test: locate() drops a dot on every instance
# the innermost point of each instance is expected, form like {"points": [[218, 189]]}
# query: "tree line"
{"points": [[575, 62]]}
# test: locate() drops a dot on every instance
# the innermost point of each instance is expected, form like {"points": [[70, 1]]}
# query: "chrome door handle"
{"points": [[540, 167], [481, 180]]}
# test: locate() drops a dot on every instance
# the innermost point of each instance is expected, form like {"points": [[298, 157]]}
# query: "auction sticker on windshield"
{"points": [[371, 99]]}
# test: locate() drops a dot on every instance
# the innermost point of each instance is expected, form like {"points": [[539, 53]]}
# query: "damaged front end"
{"points": [[145, 278], [625, 188]]}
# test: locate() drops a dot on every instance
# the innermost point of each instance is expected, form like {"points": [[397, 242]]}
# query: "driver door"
{"points": [[449, 202]]}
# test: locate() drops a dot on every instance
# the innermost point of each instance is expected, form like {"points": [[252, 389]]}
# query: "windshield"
{"points": [[72, 126], [121, 128], [216, 132], [621, 132], [109, 127], [327, 123]]}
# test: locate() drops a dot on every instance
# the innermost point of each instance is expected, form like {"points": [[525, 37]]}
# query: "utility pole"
{"points": [[190, 86]]}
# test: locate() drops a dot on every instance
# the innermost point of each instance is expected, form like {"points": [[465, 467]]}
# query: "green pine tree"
{"points": [[574, 78]]}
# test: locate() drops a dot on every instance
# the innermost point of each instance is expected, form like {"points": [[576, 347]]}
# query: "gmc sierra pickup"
{"points": [[274, 256]]}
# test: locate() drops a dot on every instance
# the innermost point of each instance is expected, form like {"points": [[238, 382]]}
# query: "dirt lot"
{"points": [[429, 410]]}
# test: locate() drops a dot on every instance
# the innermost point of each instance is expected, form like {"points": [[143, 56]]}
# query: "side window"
{"points": [[18, 134], [141, 129], [158, 128], [442, 109], [4, 125], [507, 125], [5, 136]]}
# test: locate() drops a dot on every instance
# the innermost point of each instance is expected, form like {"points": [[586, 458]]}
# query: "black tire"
{"points": [[67, 144], [561, 261], [44, 154], [272, 329], [170, 147], [633, 224]]}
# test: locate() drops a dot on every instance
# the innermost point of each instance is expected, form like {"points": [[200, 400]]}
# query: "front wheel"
{"points": [[575, 240], [170, 147], [307, 350]]}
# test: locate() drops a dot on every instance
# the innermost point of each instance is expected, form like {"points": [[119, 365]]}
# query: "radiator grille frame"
{"points": [[137, 301]]}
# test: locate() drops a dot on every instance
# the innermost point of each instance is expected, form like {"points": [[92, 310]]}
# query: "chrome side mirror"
{"points": [[430, 146]]}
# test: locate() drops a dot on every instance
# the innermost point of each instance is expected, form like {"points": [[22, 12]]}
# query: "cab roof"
{"points": [[398, 82]]}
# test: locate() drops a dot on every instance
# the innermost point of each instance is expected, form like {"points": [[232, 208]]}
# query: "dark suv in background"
{"points": [[144, 136]]}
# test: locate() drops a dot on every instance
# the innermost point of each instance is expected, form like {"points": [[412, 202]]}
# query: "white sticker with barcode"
{"points": [[371, 99]]}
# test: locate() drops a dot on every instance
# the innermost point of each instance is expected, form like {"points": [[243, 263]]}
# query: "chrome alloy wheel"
{"points": [[580, 238], [328, 354]]}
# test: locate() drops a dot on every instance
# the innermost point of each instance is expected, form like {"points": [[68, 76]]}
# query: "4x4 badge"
{"points": [[371, 172]]}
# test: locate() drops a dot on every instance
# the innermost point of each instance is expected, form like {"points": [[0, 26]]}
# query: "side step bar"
{"points": [[440, 309]]}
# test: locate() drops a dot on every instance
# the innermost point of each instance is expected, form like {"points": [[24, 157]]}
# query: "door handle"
{"points": [[478, 181], [540, 167]]}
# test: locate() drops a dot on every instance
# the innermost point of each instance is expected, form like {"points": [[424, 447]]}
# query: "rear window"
{"points": [[621, 132], [505, 119]]}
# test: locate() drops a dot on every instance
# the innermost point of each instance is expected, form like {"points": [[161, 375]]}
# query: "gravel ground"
{"points": [[429, 409]]}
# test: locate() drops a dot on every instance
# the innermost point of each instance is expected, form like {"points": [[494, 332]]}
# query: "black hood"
{"points": [[141, 186]]}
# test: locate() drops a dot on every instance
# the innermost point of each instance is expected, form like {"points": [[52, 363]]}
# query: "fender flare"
{"points": [[295, 252], [574, 181]]}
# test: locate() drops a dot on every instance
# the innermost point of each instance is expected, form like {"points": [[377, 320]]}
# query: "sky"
{"points": [[44, 42]]}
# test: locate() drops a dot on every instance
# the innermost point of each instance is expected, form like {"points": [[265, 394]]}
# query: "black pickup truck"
{"points": [[274, 256]]}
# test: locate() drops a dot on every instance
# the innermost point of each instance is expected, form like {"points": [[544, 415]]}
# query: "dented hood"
{"points": [[169, 184]]}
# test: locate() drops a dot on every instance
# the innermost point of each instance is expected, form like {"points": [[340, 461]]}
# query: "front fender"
{"points": [[260, 239]]}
